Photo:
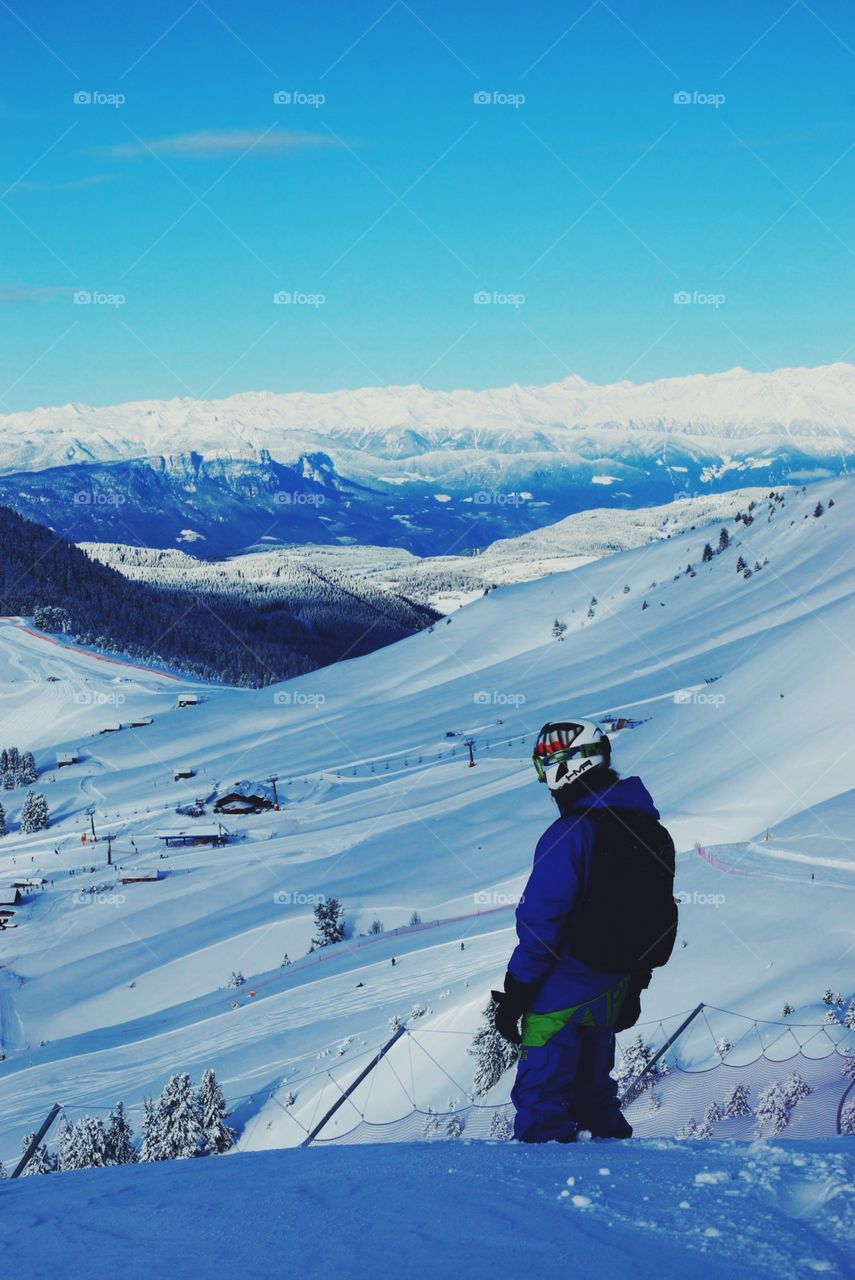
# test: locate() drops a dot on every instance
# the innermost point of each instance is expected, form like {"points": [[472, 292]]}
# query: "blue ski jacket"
{"points": [[544, 953]]}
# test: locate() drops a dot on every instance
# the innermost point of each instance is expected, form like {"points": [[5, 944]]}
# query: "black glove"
{"points": [[511, 1004], [630, 1010]]}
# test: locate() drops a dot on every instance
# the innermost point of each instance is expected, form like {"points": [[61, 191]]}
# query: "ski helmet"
{"points": [[567, 749]]}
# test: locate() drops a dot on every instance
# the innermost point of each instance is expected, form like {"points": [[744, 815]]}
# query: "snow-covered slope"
{"points": [[743, 684], [652, 1210], [431, 471], [443, 582]]}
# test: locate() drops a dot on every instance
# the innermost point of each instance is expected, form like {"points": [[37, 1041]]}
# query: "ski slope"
{"points": [[103, 995], [715, 1211]]}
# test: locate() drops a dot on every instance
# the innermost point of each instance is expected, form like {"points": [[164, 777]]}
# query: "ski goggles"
{"points": [[555, 744]]}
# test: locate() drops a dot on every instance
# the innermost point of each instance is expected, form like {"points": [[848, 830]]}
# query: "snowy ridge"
{"points": [[399, 422]]}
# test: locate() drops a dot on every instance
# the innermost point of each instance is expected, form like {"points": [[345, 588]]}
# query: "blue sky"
{"points": [[577, 195]]}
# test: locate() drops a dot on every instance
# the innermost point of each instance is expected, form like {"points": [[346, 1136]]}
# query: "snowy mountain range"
{"points": [[425, 470]]}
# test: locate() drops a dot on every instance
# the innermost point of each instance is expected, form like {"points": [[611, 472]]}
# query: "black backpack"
{"points": [[627, 918]]}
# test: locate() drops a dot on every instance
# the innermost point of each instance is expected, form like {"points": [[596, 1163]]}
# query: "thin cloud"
{"points": [[200, 145], [73, 184], [32, 293]]}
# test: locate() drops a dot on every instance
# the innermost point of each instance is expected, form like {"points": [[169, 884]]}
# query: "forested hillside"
{"points": [[223, 630]]}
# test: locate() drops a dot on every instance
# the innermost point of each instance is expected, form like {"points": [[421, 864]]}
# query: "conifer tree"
{"points": [[492, 1053], [737, 1101], [34, 813], [179, 1119], [329, 922], [120, 1137], [218, 1136]]}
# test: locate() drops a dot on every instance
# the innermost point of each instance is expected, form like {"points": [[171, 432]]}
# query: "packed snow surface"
{"points": [[452, 1210]]}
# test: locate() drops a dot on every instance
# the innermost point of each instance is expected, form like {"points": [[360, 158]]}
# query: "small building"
{"points": [[140, 722], [188, 699], [27, 886], [111, 728], [142, 875], [182, 771], [10, 897], [215, 835], [237, 802], [65, 758]]}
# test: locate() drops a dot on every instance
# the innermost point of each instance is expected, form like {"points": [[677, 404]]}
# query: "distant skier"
{"points": [[598, 913]]}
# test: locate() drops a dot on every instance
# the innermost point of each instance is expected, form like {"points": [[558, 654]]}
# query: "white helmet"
{"points": [[567, 749]]}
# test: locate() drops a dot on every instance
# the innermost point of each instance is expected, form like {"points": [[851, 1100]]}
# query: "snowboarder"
{"points": [[598, 913]]}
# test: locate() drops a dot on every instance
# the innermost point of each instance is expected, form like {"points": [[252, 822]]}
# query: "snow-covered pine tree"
{"points": [[774, 1109], [454, 1127], [713, 1114], [2, 1171], [27, 772], [120, 1137], [219, 1137], [707, 554], [492, 1053], [41, 1161], [723, 540], [34, 813], [66, 1151], [500, 1128], [394, 1022], [329, 922], [849, 1016], [2, 821], [828, 996], [689, 1129], [847, 1120], [236, 980], [89, 1143], [431, 1123], [180, 1119], [796, 1088], [151, 1147], [737, 1101], [787, 1010], [631, 1073]]}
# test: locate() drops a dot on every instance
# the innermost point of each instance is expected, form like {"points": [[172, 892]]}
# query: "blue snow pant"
{"points": [[563, 1079]]}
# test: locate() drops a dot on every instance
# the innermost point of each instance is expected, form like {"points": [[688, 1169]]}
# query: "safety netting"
{"points": [[723, 1076]]}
